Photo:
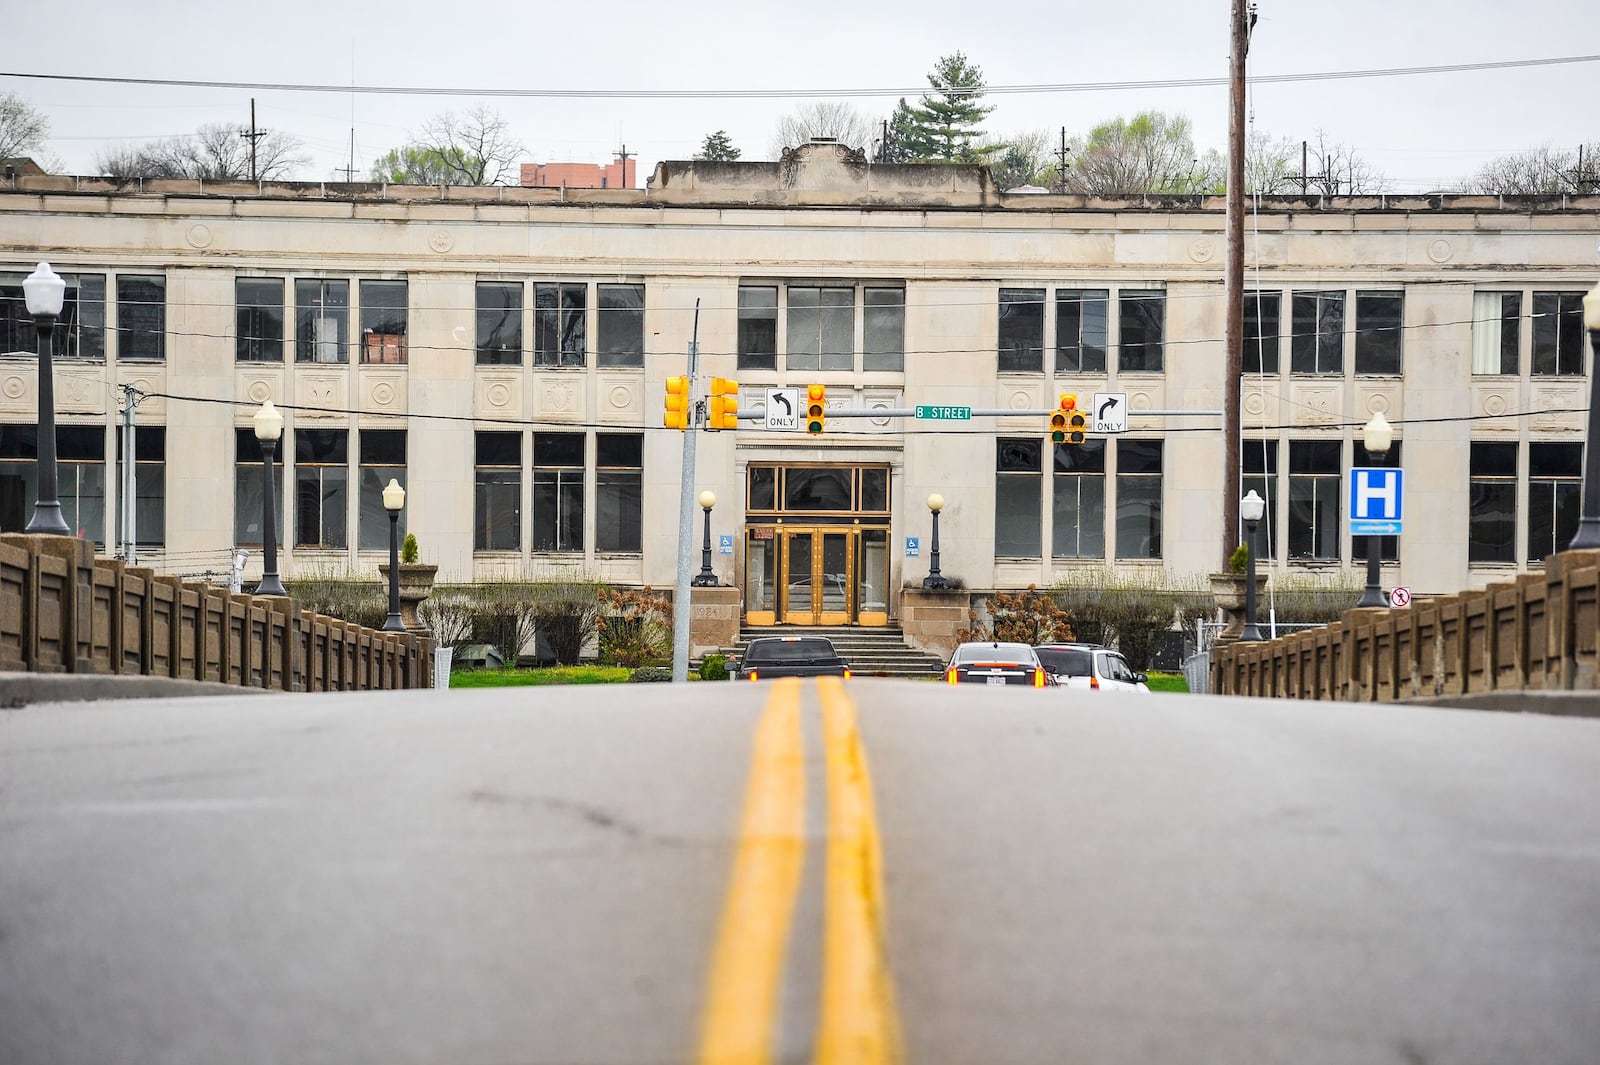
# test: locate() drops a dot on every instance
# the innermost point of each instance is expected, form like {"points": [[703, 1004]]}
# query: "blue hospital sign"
{"points": [[1376, 497]]}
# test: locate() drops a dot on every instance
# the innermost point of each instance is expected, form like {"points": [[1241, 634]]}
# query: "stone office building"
{"points": [[503, 352]]}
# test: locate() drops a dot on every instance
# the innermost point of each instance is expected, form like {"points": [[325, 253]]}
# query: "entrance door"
{"points": [[818, 580]]}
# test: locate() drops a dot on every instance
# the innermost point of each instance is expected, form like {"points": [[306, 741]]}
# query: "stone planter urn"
{"points": [[416, 584], [1228, 592]]}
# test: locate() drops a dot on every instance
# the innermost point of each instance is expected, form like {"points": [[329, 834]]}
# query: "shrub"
{"points": [[1131, 614], [634, 626], [408, 549], [714, 667], [564, 612], [338, 595], [1239, 561], [650, 675], [1028, 617], [1304, 598]]}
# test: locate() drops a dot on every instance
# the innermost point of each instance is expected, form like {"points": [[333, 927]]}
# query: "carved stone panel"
{"points": [[1563, 397], [1378, 399], [81, 391], [256, 386], [882, 399], [1261, 403], [18, 394], [383, 390], [1142, 395], [146, 380], [561, 399], [322, 395], [1494, 400], [499, 395], [1012, 395], [1316, 403], [622, 399]]}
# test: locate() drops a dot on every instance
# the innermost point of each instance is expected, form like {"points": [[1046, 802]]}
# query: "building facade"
{"points": [[503, 352], [614, 175]]}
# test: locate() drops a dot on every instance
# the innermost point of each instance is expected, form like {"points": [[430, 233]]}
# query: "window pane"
{"points": [[141, 317], [557, 510], [499, 314], [372, 520], [383, 321], [497, 510], [1142, 331], [1317, 342], [1491, 529], [1378, 332], [1016, 515], [1261, 310], [249, 502], [258, 321], [1558, 333], [1078, 518], [763, 488], [816, 489], [1017, 456], [621, 325], [1138, 516], [758, 328], [498, 449], [618, 523], [624, 450], [558, 449], [559, 336], [1021, 342], [884, 329], [875, 490], [322, 320]]}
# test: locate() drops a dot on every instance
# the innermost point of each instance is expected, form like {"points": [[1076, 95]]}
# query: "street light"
{"points": [[394, 497], [1376, 435], [1588, 534], [934, 581], [269, 427], [44, 292], [705, 578], [1251, 507]]}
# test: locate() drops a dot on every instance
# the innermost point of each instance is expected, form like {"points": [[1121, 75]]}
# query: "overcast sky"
{"points": [[1422, 131]]}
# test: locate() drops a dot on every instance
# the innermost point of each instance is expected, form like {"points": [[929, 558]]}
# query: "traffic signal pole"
{"points": [[680, 596]]}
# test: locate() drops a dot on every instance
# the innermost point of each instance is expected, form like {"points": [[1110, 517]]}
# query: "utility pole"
{"points": [[1061, 169], [680, 596], [1305, 177], [623, 155], [349, 171], [130, 480], [252, 136], [1233, 282]]}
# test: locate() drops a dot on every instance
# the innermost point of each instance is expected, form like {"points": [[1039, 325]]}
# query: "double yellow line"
{"points": [[856, 1024]]}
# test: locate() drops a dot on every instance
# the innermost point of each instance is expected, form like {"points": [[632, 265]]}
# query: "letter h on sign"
{"points": [[1376, 496]]}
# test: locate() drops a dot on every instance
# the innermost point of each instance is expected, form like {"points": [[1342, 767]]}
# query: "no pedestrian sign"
{"points": [[1400, 596]]}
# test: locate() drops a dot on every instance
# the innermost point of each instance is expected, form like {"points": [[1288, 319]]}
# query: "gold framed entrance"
{"points": [[816, 549]]}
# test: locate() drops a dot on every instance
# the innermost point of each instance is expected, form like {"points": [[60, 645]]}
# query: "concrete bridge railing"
{"points": [[1539, 632], [62, 610]]}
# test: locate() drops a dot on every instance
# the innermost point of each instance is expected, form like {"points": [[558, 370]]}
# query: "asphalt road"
{"points": [[869, 872]]}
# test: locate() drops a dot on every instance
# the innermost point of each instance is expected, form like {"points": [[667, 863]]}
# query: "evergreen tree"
{"points": [[718, 148], [897, 145], [948, 119]]}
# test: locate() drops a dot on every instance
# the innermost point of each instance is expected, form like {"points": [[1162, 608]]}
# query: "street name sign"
{"points": [[1377, 495], [783, 409], [945, 414], [1110, 412]]}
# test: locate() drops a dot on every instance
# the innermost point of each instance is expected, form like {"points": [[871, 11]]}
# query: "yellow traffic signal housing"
{"points": [[816, 407], [724, 404], [1077, 426], [677, 412], [1058, 418]]}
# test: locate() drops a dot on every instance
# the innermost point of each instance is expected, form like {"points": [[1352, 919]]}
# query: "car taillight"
{"points": [[951, 676], [1038, 678], [1094, 682], [846, 672], [752, 674]]}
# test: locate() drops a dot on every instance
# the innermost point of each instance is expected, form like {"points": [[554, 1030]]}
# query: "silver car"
{"points": [[1090, 667]]}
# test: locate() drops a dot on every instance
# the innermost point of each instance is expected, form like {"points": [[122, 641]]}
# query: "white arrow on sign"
{"points": [[1110, 412]]}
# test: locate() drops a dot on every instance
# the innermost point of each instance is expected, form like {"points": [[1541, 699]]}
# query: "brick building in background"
{"points": [[614, 175]]}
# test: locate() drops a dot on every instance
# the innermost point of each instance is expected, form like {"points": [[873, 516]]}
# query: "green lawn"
{"points": [[514, 678], [1168, 682]]}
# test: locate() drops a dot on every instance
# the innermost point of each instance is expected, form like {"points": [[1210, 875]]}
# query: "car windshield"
{"points": [[995, 652], [798, 649], [1066, 663]]}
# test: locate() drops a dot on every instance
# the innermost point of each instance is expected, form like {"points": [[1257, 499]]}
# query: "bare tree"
{"points": [[1342, 171], [1150, 153], [1021, 159], [825, 118], [471, 149], [23, 128], [214, 152], [1537, 171], [1270, 164]]}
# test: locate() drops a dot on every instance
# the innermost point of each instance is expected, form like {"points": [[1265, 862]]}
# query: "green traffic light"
{"points": [[814, 427], [1058, 438]]}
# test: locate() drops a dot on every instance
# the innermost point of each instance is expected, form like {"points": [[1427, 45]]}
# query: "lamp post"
{"points": [[705, 578], [934, 581], [44, 291], [394, 497], [1377, 434], [269, 427], [1251, 507], [1588, 534]]}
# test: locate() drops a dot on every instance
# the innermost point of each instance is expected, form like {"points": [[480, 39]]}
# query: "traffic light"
{"points": [[1058, 418], [1077, 425], [724, 404], [677, 413], [816, 407]]}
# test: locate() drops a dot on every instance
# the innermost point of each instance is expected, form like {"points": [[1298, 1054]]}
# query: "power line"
{"points": [[709, 94]]}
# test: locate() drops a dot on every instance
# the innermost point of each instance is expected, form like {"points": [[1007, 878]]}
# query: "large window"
{"points": [[141, 316], [321, 320], [497, 492], [1495, 320], [150, 486], [383, 457], [1081, 330], [559, 325], [80, 330], [618, 492], [1078, 500], [1317, 342], [1388, 546], [621, 328], [884, 335], [1262, 312], [758, 328], [80, 477], [1492, 502], [321, 487], [1018, 485], [258, 319], [1378, 334], [383, 321], [1314, 488], [1260, 462], [499, 315], [558, 491], [249, 505], [1141, 336], [821, 328], [1555, 491], [1021, 348], [1558, 333], [1139, 498]]}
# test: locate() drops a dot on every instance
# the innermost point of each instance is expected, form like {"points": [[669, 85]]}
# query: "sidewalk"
{"points": [[23, 689]]}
